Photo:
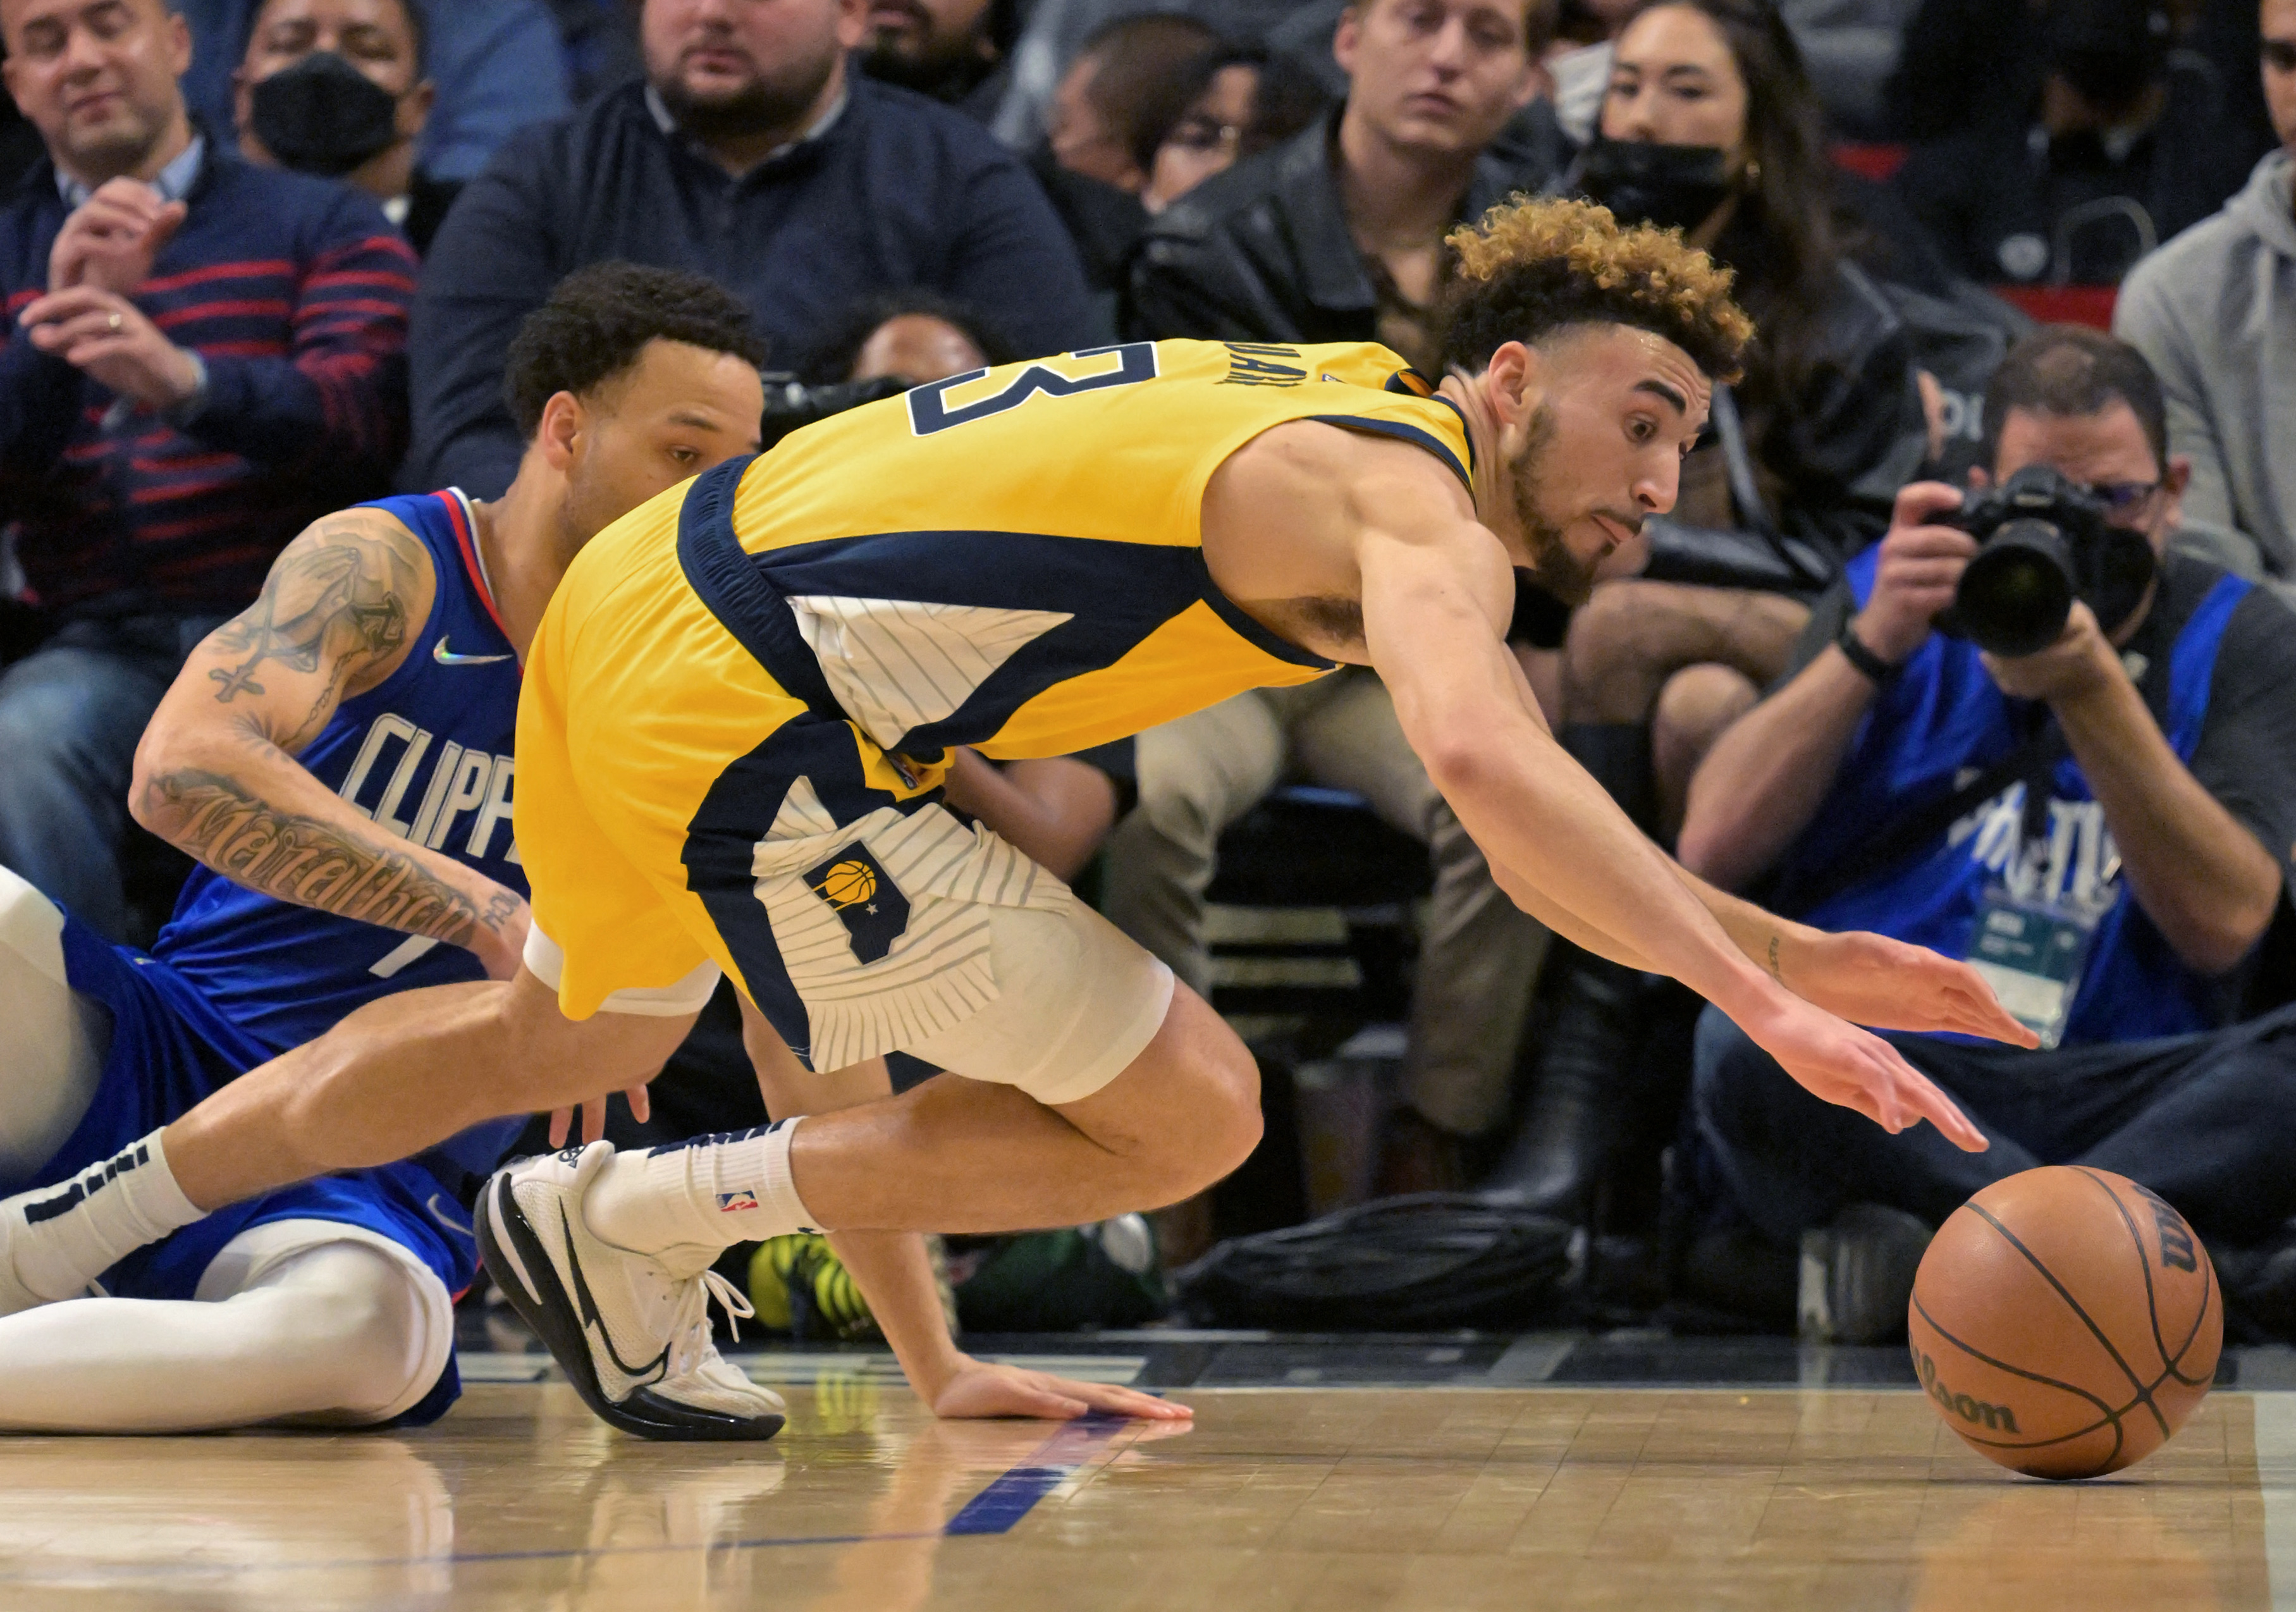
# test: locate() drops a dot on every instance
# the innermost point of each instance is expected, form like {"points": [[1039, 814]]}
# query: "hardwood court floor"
{"points": [[1333, 1501]]}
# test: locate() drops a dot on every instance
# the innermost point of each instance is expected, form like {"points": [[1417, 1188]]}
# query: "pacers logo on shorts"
{"points": [[865, 899]]}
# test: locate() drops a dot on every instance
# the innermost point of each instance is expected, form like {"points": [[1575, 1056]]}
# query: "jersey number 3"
{"points": [[1135, 361]]}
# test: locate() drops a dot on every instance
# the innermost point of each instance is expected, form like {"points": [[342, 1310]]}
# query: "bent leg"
{"points": [[1632, 635], [2216, 1140], [339, 1334], [966, 1156]]}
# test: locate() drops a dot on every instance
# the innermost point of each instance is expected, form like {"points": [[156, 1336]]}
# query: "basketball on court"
{"points": [[2065, 1322]]}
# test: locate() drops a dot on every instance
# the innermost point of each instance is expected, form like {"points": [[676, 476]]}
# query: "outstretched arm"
{"points": [[1867, 979], [1435, 608], [216, 774], [895, 1274]]}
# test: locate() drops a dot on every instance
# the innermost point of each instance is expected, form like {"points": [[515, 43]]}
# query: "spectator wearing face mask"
{"points": [[336, 87], [499, 65], [1128, 83], [1580, 61], [201, 358], [750, 154]]}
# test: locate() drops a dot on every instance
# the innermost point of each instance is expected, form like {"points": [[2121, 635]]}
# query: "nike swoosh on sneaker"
{"points": [[448, 657], [586, 1311]]}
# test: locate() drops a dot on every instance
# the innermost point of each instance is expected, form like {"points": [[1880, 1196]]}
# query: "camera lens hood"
{"points": [[2017, 592]]}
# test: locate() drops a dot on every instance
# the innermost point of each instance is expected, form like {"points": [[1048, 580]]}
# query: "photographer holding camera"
{"points": [[2027, 730]]}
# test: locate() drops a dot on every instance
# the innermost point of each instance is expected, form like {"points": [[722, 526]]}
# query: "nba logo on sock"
{"points": [[733, 1203], [865, 899]]}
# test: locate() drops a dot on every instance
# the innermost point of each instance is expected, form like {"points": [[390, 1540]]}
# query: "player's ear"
{"points": [[563, 422], [1512, 380]]}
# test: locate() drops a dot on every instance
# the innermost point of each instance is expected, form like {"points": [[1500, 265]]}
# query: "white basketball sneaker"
{"points": [[631, 1332]]}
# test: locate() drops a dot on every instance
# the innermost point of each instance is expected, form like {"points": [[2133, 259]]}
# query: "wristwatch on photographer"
{"points": [[1860, 655]]}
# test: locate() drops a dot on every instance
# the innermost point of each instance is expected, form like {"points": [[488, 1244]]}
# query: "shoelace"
{"points": [[689, 1323]]}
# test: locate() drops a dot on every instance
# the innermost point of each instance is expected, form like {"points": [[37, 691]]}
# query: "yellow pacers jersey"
{"points": [[736, 709], [1013, 559]]}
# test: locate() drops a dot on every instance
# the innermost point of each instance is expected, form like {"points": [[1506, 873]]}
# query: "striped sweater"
{"points": [[294, 291]]}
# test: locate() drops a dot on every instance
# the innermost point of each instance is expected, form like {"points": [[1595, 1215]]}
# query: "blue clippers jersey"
{"points": [[427, 755]]}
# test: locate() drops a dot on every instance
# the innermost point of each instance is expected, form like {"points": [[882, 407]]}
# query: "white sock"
{"points": [[713, 1191], [74, 1232]]}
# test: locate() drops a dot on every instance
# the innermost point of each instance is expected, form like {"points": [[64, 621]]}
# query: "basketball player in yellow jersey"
{"points": [[738, 710]]}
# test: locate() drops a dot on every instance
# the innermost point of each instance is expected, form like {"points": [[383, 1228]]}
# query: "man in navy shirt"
{"points": [[2105, 828], [199, 358], [752, 154]]}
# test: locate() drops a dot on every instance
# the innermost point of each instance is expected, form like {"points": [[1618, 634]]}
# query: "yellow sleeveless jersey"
{"points": [[1013, 559], [741, 694]]}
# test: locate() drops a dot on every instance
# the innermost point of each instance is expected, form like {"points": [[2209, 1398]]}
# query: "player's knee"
{"points": [[1698, 704], [367, 1320], [1227, 1121]]}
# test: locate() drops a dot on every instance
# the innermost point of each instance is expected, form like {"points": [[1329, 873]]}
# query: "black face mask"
{"points": [[1672, 186], [324, 116]]}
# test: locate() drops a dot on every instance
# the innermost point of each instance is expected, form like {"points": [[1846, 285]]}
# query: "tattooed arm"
{"points": [[216, 774]]}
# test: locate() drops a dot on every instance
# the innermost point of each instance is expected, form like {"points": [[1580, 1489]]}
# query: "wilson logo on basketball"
{"points": [[2176, 1245], [1998, 1418]]}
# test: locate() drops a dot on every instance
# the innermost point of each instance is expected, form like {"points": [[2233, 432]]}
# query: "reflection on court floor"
{"points": [[1327, 1499]]}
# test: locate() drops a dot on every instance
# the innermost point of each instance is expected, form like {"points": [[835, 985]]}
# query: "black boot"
{"points": [[1583, 1101]]}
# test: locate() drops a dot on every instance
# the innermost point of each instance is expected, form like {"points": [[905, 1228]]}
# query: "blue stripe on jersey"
{"points": [[427, 755]]}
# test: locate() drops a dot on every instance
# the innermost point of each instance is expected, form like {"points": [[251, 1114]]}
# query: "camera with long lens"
{"points": [[2042, 541]]}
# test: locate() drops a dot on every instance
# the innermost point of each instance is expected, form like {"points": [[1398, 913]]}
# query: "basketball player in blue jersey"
{"points": [[739, 714], [339, 758]]}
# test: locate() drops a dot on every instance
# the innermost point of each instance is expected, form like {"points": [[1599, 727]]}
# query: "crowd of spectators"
{"points": [[262, 259]]}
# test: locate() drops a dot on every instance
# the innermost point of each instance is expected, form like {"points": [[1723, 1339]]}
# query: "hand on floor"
{"points": [[977, 1388]]}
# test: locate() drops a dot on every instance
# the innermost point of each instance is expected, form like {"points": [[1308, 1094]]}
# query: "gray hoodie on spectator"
{"points": [[2214, 311]]}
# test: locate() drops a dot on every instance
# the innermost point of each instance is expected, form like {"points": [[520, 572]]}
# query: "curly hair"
{"points": [[1531, 268], [599, 319]]}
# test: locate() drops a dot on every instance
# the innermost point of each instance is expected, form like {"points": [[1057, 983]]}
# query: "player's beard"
{"points": [[1553, 566]]}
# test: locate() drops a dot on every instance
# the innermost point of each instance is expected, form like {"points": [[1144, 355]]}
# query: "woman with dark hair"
{"points": [[1709, 125]]}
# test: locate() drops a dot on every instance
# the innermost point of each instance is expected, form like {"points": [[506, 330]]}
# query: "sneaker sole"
{"points": [[514, 1255]]}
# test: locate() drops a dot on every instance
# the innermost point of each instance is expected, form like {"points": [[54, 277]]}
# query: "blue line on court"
{"points": [[997, 1508]]}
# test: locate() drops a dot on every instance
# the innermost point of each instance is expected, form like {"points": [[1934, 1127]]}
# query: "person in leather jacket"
{"points": [[1335, 236]]}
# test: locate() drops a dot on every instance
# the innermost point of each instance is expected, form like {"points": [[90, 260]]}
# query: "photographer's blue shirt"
{"points": [[2216, 662]]}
